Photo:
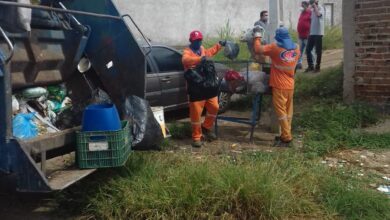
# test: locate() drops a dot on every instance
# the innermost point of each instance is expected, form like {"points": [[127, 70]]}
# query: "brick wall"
{"points": [[372, 51]]}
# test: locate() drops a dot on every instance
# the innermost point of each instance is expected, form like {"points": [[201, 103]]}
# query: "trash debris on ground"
{"points": [[158, 112], [384, 189], [24, 126]]}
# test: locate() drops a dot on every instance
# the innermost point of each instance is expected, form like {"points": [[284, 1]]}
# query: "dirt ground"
{"points": [[15, 205], [330, 58]]}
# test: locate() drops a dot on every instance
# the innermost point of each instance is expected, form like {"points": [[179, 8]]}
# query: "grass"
{"points": [[336, 126], [333, 38], [350, 199], [178, 186], [326, 85], [329, 125], [180, 130]]}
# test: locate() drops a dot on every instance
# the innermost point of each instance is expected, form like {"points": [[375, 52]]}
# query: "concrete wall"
{"points": [[170, 21]]}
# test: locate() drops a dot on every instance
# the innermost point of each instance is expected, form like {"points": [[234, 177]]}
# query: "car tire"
{"points": [[224, 101]]}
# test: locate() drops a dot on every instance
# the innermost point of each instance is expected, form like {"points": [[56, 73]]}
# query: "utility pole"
{"points": [[276, 16]]}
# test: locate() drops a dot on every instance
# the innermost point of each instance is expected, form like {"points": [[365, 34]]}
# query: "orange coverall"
{"points": [[190, 60], [282, 82]]}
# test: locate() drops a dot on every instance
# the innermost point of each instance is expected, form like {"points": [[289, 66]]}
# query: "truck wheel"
{"points": [[224, 101]]}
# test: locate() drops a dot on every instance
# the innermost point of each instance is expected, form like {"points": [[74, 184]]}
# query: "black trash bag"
{"points": [[193, 76], [231, 50], [67, 119], [203, 76], [210, 74], [202, 82], [147, 133]]}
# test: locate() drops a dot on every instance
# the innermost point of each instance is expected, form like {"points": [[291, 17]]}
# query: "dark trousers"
{"points": [[314, 41]]}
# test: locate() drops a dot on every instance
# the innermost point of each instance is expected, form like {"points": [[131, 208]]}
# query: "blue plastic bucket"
{"points": [[101, 117]]}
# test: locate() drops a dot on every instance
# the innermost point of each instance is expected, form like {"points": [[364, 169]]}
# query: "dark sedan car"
{"points": [[165, 83]]}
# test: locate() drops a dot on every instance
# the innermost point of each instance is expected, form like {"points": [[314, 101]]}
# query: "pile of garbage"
{"points": [[246, 81], [40, 110]]}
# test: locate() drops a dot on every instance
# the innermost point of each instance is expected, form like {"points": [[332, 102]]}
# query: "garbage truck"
{"points": [[47, 52]]}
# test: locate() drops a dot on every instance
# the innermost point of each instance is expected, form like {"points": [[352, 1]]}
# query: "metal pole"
{"points": [[46, 8]]}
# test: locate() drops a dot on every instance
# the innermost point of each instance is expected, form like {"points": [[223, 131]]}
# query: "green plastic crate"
{"points": [[100, 149]]}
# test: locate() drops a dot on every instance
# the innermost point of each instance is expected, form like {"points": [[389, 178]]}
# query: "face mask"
{"points": [[301, 9], [196, 45]]}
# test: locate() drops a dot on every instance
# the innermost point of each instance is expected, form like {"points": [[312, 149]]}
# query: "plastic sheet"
{"points": [[258, 82], [24, 126]]}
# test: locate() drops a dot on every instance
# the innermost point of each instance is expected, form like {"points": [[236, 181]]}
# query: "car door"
{"points": [[153, 85], [171, 75]]}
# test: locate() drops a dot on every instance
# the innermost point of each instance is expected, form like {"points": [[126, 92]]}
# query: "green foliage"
{"points": [[327, 124], [350, 198], [331, 127], [329, 84], [180, 130], [226, 32], [178, 186], [333, 38]]}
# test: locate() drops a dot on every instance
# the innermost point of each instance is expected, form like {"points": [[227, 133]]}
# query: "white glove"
{"points": [[257, 35], [258, 31]]}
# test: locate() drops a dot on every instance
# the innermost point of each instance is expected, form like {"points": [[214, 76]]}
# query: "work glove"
{"points": [[258, 31], [203, 59], [222, 43]]}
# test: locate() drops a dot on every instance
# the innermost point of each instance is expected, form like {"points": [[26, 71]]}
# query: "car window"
{"points": [[167, 60]]}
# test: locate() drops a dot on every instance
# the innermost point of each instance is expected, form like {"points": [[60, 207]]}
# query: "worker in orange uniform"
{"points": [[284, 54], [199, 97]]}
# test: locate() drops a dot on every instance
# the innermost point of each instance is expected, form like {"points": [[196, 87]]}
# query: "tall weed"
{"points": [[260, 186]]}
